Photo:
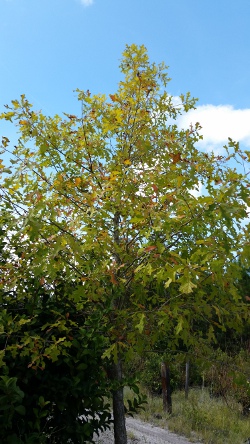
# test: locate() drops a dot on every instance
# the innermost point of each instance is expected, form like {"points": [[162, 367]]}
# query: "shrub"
{"points": [[229, 377], [54, 384]]}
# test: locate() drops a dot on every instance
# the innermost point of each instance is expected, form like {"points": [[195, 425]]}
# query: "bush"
{"points": [[54, 384], [149, 370], [229, 377]]}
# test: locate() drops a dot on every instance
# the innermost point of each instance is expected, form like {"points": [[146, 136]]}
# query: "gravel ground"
{"points": [[140, 432]]}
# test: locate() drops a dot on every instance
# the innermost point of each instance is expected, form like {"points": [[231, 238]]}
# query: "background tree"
{"points": [[109, 197]]}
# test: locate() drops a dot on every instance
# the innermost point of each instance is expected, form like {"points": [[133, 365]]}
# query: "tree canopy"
{"points": [[107, 199]]}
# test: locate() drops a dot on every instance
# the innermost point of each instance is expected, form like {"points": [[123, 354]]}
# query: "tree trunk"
{"points": [[166, 388], [120, 433]]}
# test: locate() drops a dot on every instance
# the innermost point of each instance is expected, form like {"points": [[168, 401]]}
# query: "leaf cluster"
{"points": [[108, 197], [54, 382]]}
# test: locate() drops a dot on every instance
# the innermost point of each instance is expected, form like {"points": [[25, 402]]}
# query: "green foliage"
{"points": [[208, 420], [55, 382], [106, 200], [10, 401], [148, 370], [109, 195], [136, 404], [229, 378]]}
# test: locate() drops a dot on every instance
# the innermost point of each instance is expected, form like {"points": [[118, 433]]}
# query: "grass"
{"points": [[199, 418]]}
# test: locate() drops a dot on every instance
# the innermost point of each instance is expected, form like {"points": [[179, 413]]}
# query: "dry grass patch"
{"points": [[199, 418]]}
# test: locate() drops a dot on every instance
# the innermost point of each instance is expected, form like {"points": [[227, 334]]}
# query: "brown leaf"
{"points": [[113, 97], [42, 281], [150, 248], [113, 279], [176, 157]]}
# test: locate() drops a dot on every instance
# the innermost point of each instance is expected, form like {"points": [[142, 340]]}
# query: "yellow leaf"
{"points": [[77, 181], [168, 282], [15, 103], [114, 175], [179, 180], [127, 162]]}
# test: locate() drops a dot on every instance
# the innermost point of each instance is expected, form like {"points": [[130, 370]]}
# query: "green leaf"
{"points": [[179, 326], [20, 409], [140, 325], [187, 287]]}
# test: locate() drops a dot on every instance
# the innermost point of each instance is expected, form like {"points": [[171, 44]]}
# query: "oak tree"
{"points": [[107, 198]]}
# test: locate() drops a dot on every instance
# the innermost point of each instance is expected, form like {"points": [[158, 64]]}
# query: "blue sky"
{"points": [[51, 47]]}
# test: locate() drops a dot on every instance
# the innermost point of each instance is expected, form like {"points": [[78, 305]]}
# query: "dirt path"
{"points": [[140, 432]]}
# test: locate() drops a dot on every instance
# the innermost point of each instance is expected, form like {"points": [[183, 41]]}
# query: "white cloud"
{"points": [[196, 192], [218, 123], [246, 219], [87, 2]]}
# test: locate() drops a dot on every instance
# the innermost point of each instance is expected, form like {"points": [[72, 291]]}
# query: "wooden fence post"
{"points": [[187, 379], [203, 381], [166, 389]]}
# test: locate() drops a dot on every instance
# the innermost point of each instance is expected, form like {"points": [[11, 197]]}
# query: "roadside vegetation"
{"points": [[216, 408], [211, 420], [200, 417]]}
